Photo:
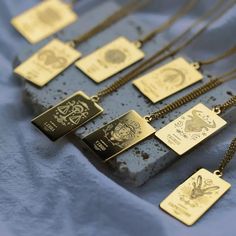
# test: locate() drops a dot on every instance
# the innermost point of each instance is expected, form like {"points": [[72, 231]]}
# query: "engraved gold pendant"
{"points": [[195, 196], [119, 135], [190, 129], [47, 63], [168, 79], [110, 59], [44, 20], [67, 116]]}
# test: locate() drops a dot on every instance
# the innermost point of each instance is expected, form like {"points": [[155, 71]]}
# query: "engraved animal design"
{"points": [[71, 113], [48, 16], [49, 58], [198, 122], [122, 133], [115, 56], [199, 191]]}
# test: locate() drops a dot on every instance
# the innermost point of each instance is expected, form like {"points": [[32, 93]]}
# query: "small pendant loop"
{"points": [[196, 65], [95, 98], [71, 44], [148, 118], [217, 110], [138, 43], [218, 173]]}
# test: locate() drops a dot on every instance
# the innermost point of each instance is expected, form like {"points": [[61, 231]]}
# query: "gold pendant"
{"points": [[110, 59], [190, 129], [47, 63], [44, 20], [119, 135], [168, 79], [67, 116], [195, 196]]}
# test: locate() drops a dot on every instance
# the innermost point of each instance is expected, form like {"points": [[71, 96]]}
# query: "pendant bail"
{"points": [[217, 109], [218, 173]]}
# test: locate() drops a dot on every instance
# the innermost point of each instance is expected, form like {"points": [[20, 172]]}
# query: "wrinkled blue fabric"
{"points": [[51, 189]]}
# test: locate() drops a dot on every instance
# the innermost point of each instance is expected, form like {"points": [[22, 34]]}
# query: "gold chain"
{"points": [[110, 20], [228, 157], [181, 12], [225, 54], [218, 109], [184, 100], [151, 61]]}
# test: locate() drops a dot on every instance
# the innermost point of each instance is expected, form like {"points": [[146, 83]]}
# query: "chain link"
{"points": [[228, 157], [218, 109]]}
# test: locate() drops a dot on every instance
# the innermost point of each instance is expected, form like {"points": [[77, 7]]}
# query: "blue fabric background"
{"points": [[53, 190]]}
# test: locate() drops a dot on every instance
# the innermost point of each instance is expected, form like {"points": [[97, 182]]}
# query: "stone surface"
{"points": [[146, 159]]}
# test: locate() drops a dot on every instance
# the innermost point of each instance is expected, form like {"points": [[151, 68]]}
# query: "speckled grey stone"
{"points": [[140, 163]]}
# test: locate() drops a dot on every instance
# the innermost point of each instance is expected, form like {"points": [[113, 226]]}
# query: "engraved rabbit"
{"points": [[198, 191]]}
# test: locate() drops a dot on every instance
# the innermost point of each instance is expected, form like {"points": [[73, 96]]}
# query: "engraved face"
{"points": [[122, 133], [48, 16], [171, 78], [115, 56], [49, 58], [199, 122]]}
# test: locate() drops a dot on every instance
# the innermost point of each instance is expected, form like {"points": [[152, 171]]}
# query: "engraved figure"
{"points": [[49, 58], [71, 113], [48, 16], [122, 133], [115, 56], [199, 122], [170, 78], [199, 191]]}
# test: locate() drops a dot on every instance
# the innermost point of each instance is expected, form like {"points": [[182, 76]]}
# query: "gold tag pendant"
{"points": [[168, 79], [195, 196], [44, 20], [67, 116], [119, 135], [110, 59], [190, 129], [47, 63]]}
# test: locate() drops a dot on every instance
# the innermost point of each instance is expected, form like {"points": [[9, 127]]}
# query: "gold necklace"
{"points": [[78, 109], [44, 19], [189, 201], [174, 76], [181, 135], [121, 53], [56, 56]]}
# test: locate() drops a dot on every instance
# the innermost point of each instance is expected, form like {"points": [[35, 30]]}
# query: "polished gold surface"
{"points": [[44, 20], [67, 116], [190, 129], [168, 79], [119, 135], [195, 196], [47, 63], [110, 59]]}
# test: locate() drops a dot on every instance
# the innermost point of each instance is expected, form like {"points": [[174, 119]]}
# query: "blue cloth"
{"points": [[51, 189]]}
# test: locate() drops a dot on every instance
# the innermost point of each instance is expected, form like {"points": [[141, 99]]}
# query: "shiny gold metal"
{"points": [[110, 59], [47, 63], [119, 135], [195, 196], [190, 129], [44, 20], [67, 116], [168, 79]]}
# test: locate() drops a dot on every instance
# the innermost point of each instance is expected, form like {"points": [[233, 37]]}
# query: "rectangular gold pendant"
{"points": [[190, 129], [168, 80], [119, 135], [47, 63], [44, 20], [67, 116], [195, 196], [110, 59]]}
